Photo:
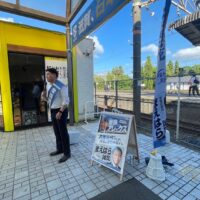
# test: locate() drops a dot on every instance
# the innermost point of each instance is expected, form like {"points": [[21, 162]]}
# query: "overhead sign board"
{"points": [[97, 13]]}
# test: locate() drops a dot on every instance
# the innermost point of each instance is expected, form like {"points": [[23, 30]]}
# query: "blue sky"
{"points": [[114, 38]]}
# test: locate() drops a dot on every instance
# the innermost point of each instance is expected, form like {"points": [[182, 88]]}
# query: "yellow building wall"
{"points": [[5, 83], [15, 34], [32, 37]]}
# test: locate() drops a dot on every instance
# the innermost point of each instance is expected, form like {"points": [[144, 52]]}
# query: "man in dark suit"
{"points": [[58, 100]]}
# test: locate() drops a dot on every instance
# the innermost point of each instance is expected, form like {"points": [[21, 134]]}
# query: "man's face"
{"points": [[51, 77], [117, 157], [104, 125]]}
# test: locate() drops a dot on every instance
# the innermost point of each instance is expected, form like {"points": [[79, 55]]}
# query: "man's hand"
{"points": [[44, 95], [58, 115]]}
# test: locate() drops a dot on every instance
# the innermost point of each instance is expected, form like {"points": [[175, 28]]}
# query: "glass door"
{"points": [[26, 76]]}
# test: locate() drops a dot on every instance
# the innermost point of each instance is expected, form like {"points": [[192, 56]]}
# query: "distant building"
{"points": [[172, 83]]}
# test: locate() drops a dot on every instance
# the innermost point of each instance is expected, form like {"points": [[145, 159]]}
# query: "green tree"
{"points": [[117, 74], [100, 81], [170, 68], [176, 68], [192, 69], [148, 74], [196, 69]]}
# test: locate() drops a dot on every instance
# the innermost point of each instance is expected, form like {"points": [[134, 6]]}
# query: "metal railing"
{"points": [[91, 113]]}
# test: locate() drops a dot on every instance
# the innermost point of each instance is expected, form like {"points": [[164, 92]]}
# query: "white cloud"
{"points": [[168, 52], [192, 53], [99, 49], [100, 73], [151, 48], [9, 19]]}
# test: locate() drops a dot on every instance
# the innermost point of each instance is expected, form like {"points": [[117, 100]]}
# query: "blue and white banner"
{"points": [[159, 112]]}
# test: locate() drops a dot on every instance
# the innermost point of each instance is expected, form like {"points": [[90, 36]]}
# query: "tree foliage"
{"points": [[170, 68], [116, 74], [176, 68], [148, 73]]}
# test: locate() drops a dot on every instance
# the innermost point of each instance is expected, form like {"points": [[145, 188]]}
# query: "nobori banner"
{"points": [[159, 111], [97, 13]]}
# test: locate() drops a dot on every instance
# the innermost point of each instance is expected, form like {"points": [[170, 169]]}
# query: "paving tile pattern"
{"points": [[28, 172]]}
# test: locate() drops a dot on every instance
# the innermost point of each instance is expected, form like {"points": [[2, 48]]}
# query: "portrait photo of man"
{"points": [[104, 124], [116, 158]]}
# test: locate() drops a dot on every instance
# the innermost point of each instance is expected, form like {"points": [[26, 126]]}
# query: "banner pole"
{"points": [[178, 109], [159, 108]]}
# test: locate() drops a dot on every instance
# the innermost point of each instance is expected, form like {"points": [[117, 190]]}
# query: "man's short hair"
{"points": [[117, 149], [53, 71]]}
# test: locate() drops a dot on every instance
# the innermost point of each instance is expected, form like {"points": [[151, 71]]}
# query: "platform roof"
{"points": [[54, 11], [189, 27]]}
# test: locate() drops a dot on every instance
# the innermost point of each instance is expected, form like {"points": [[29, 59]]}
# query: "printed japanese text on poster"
{"points": [[111, 141]]}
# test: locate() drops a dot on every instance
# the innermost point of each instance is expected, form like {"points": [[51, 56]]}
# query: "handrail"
{"points": [[86, 113]]}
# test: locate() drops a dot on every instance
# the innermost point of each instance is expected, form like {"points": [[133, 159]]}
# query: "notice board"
{"points": [[115, 137]]}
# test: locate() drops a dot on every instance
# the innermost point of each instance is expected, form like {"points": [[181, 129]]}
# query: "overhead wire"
{"points": [[168, 35]]}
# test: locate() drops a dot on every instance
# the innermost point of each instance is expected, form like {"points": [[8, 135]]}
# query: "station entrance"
{"points": [[27, 75]]}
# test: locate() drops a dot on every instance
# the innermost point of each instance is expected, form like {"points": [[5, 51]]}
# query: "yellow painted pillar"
{"points": [[5, 83], [75, 86]]}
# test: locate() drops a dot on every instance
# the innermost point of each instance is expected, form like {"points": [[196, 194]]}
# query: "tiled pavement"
{"points": [[28, 172]]}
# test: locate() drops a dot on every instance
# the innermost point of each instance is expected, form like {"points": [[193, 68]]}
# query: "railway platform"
{"points": [[28, 172]]}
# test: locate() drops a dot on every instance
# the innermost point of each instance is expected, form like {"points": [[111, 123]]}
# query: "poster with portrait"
{"points": [[112, 140], [60, 64]]}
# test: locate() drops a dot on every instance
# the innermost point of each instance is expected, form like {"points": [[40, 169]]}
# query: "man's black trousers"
{"points": [[61, 132]]}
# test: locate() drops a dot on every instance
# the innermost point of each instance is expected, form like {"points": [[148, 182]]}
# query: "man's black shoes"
{"points": [[64, 158], [55, 153]]}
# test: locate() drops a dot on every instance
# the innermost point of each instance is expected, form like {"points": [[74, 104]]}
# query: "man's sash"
{"points": [[55, 88]]}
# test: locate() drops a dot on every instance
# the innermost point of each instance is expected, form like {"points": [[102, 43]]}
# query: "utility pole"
{"points": [[178, 108], [69, 64], [137, 59], [180, 74]]}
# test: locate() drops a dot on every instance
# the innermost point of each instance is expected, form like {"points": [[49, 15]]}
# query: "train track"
{"points": [[184, 126]]}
